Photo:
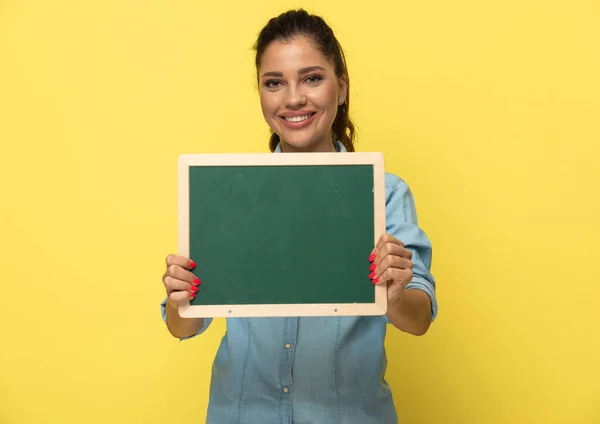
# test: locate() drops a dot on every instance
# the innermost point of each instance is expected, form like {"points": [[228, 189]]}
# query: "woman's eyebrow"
{"points": [[300, 71], [273, 74], [310, 69]]}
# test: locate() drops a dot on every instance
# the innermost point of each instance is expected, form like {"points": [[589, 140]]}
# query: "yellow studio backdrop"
{"points": [[489, 110]]}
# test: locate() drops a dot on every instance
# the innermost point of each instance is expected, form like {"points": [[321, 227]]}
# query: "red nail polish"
{"points": [[372, 257], [373, 266], [196, 281], [192, 264], [372, 275], [193, 295], [375, 281], [194, 289]]}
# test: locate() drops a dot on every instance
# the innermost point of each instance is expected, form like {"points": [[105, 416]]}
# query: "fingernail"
{"points": [[194, 289], [372, 275], [192, 264], [372, 257], [373, 266], [375, 281], [196, 281], [193, 295]]}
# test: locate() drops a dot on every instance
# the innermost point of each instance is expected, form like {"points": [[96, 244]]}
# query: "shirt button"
{"points": [[285, 389], [287, 346]]}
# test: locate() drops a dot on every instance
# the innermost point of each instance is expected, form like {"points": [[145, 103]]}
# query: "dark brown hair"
{"points": [[295, 23]]}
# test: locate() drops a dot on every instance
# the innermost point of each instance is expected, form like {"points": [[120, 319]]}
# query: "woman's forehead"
{"points": [[282, 56]]}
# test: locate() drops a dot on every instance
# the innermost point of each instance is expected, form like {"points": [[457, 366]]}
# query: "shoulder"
{"points": [[399, 200], [392, 180], [394, 185]]}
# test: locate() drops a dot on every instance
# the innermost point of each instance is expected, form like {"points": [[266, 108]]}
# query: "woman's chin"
{"points": [[298, 145], [308, 144]]}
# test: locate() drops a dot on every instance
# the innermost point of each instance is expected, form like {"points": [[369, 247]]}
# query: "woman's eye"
{"points": [[272, 84], [314, 79]]}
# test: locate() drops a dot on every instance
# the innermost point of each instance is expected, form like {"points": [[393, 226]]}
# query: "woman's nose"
{"points": [[295, 98]]}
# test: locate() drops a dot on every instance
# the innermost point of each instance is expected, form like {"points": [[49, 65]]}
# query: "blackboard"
{"points": [[282, 234]]}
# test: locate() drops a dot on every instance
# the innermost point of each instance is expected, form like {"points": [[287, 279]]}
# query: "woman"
{"points": [[313, 369]]}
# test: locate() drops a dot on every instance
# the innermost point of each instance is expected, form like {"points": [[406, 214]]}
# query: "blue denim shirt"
{"points": [[317, 370]]}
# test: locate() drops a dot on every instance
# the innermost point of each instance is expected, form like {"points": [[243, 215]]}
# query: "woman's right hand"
{"points": [[180, 283]]}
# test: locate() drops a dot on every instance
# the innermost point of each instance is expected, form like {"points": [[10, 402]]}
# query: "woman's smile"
{"points": [[298, 120]]}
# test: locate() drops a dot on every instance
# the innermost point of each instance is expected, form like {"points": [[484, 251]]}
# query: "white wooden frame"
{"points": [[379, 307]]}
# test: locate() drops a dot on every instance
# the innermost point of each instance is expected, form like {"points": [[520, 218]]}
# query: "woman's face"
{"points": [[299, 95]]}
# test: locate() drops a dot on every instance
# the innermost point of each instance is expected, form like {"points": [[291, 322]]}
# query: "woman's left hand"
{"points": [[391, 264]]}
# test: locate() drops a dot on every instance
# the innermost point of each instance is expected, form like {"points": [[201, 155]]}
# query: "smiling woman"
{"points": [[313, 369], [303, 84]]}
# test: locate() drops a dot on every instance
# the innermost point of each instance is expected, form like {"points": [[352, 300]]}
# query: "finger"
{"points": [[385, 239], [180, 296], [394, 275], [390, 261], [396, 246], [391, 249], [181, 261], [374, 254], [180, 273], [173, 284]]}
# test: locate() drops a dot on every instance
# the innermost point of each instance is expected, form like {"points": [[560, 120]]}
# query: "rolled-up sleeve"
{"points": [[163, 310], [402, 223]]}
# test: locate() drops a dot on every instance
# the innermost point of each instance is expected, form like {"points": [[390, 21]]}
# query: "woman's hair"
{"points": [[295, 23]]}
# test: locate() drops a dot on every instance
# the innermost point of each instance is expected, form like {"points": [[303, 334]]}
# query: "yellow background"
{"points": [[489, 109]]}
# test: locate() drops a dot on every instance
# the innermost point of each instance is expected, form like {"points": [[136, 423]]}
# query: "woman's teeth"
{"points": [[297, 118]]}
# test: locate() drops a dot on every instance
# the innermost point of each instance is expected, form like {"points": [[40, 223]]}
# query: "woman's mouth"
{"points": [[298, 121]]}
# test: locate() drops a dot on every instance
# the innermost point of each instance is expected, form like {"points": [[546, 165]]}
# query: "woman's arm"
{"points": [[182, 327], [402, 261], [411, 312], [409, 309]]}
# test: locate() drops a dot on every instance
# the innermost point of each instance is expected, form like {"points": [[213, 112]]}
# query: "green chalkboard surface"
{"points": [[282, 234]]}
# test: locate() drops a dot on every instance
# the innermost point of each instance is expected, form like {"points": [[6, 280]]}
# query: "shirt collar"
{"points": [[339, 147]]}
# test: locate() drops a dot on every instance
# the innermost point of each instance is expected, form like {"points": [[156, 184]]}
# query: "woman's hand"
{"points": [[391, 265], [408, 310], [181, 285]]}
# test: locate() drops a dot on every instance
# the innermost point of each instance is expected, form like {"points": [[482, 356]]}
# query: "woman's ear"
{"points": [[342, 90]]}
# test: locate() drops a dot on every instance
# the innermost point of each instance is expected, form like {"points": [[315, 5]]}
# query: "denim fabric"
{"points": [[317, 370]]}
